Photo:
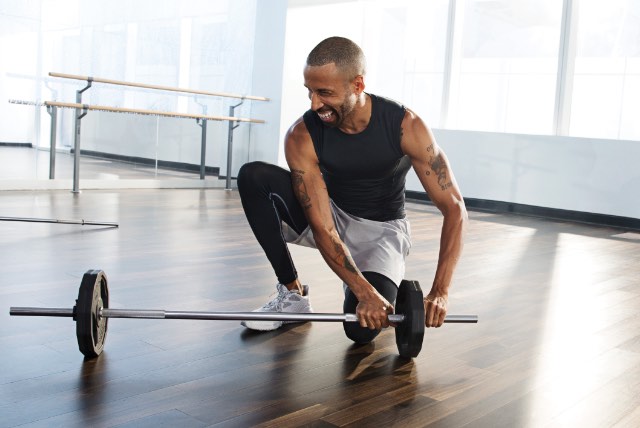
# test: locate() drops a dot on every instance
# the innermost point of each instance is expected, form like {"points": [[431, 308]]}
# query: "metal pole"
{"points": [[52, 220], [41, 312], [230, 316], [224, 316], [53, 112], [232, 126], [80, 113], [203, 139], [203, 148]]}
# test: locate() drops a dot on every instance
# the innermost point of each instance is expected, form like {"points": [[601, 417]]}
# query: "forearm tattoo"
{"points": [[300, 189], [347, 261], [439, 167]]}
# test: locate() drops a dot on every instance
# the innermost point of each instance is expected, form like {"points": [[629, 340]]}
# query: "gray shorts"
{"points": [[376, 246]]}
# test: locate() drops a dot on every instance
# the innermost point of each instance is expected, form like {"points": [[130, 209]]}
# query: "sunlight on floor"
{"points": [[574, 358]]}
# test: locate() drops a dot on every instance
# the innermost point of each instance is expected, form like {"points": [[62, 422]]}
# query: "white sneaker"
{"points": [[284, 301]]}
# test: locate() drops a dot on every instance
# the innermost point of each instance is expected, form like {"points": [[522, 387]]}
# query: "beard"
{"points": [[338, 113]]}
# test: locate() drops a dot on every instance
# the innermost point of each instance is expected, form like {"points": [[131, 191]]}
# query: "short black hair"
{"points": [[347, 56]]}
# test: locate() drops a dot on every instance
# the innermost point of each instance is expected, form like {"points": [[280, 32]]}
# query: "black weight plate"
{"points": [[91, 329], [410, 332]]}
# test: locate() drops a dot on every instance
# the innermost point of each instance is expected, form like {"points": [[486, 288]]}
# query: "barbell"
{"points": [[91, 313], [60, 221]]}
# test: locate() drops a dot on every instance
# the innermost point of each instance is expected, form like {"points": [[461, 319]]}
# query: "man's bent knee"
{"points": [[358, 334], [250, 173]]}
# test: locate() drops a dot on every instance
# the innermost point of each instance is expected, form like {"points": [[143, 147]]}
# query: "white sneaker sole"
{"points": [[262, 325], [274, 325], [266, 325]]}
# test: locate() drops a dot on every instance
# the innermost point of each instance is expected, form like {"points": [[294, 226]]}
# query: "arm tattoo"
{"points": [[300, 189], [350, 265], [439, 167], [347, 263]]}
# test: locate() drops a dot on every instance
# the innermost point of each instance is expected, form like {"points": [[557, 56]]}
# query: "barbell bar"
{"points": [[59, 221], [218, 316], [92, 312]]}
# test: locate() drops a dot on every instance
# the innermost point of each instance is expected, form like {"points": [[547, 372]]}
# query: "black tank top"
{"points": [[365, 172]]}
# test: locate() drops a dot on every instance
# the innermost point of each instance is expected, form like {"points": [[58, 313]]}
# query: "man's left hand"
{"points": [[435, 309]]}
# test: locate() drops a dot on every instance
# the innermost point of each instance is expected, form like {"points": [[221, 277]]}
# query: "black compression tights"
{"points": [[267, 198]]}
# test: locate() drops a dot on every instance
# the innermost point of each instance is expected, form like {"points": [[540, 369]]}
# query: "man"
{"points": [[344, 195]]}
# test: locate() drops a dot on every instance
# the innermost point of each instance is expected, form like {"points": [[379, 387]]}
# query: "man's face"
{"points": [[333, 97]]}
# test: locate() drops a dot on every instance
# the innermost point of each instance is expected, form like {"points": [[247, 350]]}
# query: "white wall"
{"points": [[578, 174], [268, 64], [19, 46]]}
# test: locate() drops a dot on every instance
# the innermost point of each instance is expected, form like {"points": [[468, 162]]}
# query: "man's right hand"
{"points": [[373, 311]]}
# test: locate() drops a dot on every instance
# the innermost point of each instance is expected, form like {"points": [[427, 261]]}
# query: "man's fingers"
{"points": [[362, 319], [443, 314], [378, 320], [437, 316], [374, 319], [435, 311], [368, 320], [432, 315], [384, 316], [428, 312]]}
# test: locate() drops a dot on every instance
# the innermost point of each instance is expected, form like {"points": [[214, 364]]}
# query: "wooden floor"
{"points": [[558, 343]]}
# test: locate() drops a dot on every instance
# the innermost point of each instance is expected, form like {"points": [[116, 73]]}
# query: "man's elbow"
{"points": [[456, 212], [323, 232]]}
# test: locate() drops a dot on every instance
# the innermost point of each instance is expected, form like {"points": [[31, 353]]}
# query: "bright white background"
{"points": [[533, 105]]}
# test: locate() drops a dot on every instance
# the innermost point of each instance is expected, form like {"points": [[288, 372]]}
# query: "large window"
{"points": [[606, 83], [546, 67], [405, 44], [408, 44], [208, 46], [504, 70]]}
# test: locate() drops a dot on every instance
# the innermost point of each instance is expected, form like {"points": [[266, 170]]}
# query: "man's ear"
{"points": [[358, 84]]}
